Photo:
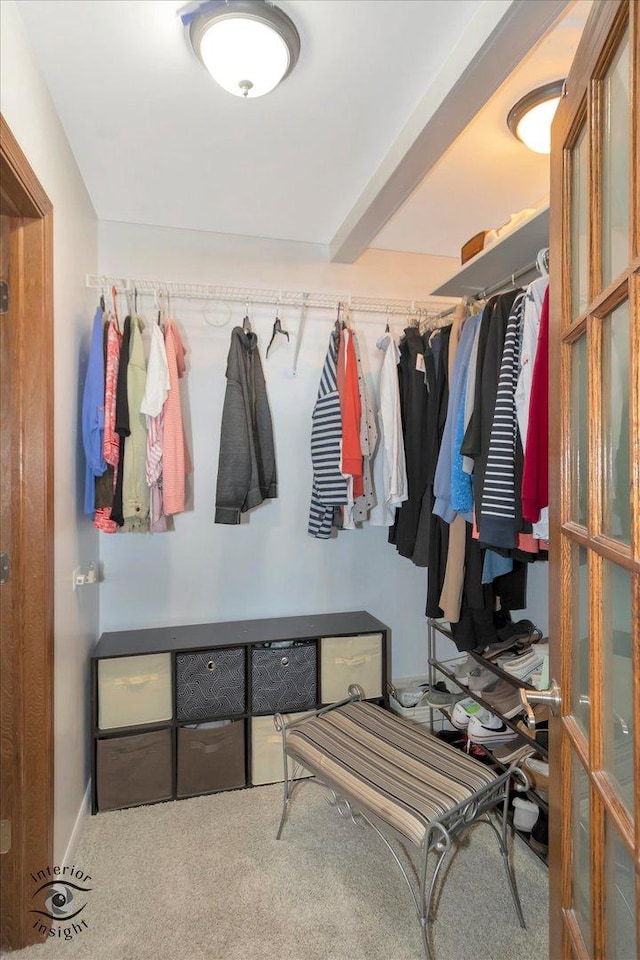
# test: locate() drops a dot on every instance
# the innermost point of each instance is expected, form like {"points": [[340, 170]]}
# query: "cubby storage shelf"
{"points": [[203, 676]]}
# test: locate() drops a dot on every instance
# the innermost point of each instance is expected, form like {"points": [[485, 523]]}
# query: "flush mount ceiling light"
{"points": [[248, 46], [530, 119]]}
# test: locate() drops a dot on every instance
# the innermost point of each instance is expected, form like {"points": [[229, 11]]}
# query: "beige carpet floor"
{"points": [[205, 879]]}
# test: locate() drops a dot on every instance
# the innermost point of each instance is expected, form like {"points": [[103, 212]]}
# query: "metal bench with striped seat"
{"points": [[415, 791]]}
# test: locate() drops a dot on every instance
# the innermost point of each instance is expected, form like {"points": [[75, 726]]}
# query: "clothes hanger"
{"points": [[277, 328], [338, 327], [114, 306], [103, 305], [163, 313], [129, 299], [246, 323], [542, 262]]}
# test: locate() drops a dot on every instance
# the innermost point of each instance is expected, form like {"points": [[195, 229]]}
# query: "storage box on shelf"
{"points": [[188, 710], [446, 669]]}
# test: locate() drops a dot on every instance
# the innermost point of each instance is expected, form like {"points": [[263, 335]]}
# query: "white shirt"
{"points": [[157, 385], [529, 345], [389, 466]]}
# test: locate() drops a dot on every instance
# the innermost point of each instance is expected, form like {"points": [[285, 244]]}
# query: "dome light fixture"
{"points": [[248, 46], [531, 117]]}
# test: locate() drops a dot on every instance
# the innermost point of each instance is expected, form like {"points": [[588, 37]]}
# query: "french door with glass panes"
{"points": [[595, 494]]}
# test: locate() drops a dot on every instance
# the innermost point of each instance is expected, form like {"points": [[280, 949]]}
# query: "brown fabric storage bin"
{"points": [[210, 758], [133, 770]]}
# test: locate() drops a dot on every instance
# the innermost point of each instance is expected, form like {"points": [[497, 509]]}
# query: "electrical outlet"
{"points": [[77, 578]]}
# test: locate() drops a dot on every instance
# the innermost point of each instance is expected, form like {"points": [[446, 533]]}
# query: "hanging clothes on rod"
{"points": [[139, 411], [344, 438], [246, 466]]}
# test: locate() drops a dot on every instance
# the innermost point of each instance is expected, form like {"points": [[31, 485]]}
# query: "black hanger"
{"points": [[337, 324], [277, 328], [103, 305]]}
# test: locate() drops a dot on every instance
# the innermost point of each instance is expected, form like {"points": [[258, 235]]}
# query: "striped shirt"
{"points": [[329, 486], [497, 515]]}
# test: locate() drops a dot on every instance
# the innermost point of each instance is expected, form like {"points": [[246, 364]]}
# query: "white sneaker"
{"points": [[464, 710], [489, 729]]}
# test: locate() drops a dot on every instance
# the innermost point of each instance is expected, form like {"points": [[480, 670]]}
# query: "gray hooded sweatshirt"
{"points": [[247, 465]]}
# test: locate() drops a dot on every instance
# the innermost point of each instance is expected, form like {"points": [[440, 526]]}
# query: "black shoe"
{"points": [[539, 839]]}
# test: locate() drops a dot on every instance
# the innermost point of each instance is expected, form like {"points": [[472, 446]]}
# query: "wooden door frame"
{"points": [[30, 800], [582, 102]]}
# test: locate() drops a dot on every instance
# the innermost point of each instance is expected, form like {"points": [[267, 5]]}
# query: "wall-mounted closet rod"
{"points": [[252, 296]]}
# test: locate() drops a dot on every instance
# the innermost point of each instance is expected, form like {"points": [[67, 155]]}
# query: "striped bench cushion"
{"points": [[387, 766]]}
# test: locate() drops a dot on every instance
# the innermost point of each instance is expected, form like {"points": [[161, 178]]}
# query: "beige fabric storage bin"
{"points": [[266, 751], [134, 690], [346, 660]]}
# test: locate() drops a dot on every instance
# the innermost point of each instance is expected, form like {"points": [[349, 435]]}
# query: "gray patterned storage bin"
{"points": [[283, 678], [210, 684]]}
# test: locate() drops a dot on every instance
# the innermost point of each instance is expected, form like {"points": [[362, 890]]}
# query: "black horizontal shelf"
{"points": [[101, 734], [234, 633]]}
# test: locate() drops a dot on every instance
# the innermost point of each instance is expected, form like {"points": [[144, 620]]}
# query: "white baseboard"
{"points": [[72, 846]]}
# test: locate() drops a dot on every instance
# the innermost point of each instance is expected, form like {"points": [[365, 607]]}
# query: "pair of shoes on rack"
{"points": [[480, 679], [523, 666], [541, 732], [504, 699], [438, 695], [539, 839], [482, 726], [537, 771], [513, 635], [510, 753], [460, 741]]}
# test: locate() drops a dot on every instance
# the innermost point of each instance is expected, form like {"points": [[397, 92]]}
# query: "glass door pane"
{"points": [[579, 431], [616, 519], [581, 860], [618, 679], [620, 887], [581, 647], [615, 164], [579, 226]]}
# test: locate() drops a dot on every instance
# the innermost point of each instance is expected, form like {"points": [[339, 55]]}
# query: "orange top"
{"points": [[175, 454], [351, 459]]}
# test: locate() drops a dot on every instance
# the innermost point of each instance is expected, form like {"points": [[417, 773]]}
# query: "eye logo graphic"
{"points": [[60, 899]]}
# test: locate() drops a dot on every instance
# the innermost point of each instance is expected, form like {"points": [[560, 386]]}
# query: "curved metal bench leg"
{"points": [[441, 847], [501, 836], [287, 790]]}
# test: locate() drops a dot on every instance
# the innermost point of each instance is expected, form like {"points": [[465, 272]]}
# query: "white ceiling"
{"points": [[158, 142], [489, 172]]}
